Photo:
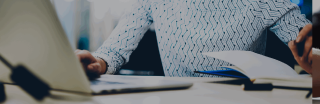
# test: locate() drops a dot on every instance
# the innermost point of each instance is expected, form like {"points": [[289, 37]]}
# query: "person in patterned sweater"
{"points": [[187, 28]]}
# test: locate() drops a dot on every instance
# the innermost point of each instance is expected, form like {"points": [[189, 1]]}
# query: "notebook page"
{"points": [[255, 65]]}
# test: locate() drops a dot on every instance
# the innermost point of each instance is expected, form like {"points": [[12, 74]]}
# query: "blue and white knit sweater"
{"points": [[187, 28]]}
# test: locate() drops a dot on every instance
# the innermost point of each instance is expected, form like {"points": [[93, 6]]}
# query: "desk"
{"points": [[203, 91]]}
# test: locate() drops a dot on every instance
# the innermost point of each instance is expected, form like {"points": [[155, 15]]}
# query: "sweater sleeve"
{"points": [[124, 39], [288, 26]]}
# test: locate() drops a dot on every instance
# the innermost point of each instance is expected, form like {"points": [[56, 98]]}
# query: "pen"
{"points": [[257, 87]]}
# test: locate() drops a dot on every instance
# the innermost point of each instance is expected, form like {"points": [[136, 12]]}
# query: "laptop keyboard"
{"points": [[98, 82]]}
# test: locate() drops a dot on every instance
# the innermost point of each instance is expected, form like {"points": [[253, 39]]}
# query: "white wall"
{"points": [[104, 16], [315, 6], [66, 14]]}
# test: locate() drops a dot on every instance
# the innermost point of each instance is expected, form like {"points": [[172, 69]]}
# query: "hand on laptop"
{"points": [[94, 67], [305, 59]]}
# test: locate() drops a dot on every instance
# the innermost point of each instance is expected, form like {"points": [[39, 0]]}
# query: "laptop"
{"points": [[31, 34]]}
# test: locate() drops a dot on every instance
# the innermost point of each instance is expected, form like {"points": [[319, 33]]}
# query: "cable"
{"points": [[6, 62], [2, 93], [30, 83]]}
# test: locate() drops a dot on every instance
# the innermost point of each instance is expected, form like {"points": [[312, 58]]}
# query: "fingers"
{"points": [[85, 55], [94, 67], [77, 50], [310, 57], [308, 69], [89, 63], [93, 70], [304, 33], [301, 61], [294, 49], [307, 48], [306, 41]]}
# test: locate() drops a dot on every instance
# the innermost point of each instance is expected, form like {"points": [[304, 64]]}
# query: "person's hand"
{"points": [[93, 67], [305, 60]]}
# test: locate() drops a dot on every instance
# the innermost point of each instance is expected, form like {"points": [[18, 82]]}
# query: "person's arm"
{"points": [[124, 39], [292, 28], [288, 26]]}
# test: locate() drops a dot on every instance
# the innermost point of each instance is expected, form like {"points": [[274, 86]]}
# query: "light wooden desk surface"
{"points": [[203, 91]]}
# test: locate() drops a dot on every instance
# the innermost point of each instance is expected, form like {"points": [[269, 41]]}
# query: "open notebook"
{"points": [[253, 66]]}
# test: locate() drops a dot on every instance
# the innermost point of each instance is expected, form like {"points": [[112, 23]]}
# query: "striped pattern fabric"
{"points": [[187, 28]]}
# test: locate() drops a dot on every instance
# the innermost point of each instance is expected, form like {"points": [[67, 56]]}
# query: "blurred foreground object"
{"points": [[2, 93], [316, 51], [316, 72]]}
